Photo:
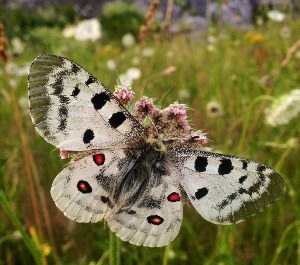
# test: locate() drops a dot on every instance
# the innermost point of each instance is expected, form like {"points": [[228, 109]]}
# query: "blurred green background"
{"points": [[231, 69]]}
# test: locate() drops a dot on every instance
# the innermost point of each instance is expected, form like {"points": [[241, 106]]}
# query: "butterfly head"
{"points": [[157, 145]]}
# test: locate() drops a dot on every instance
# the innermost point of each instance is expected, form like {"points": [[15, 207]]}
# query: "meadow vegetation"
{"points": [[238, 72]]}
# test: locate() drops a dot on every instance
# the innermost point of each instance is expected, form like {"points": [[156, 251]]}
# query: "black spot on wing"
{"points": [[58, 84], [255, 187], [225, 167], [90, 80], [63, 112], [75, 69], [200, 193], [107, 201], [261, 168], [242, 179], [88, 136], [229, 199], [117, 119], [245, 164], [75, 92], [63, 117], [131, 212], [201, 163], [99, 100], [63, 99], [104, 199]]}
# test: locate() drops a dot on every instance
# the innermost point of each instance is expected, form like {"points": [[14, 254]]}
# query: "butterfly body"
{"points": [[135, 182]]}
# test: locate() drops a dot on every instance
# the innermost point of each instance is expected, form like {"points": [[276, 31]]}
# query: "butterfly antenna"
{"points": [[153, 125]]}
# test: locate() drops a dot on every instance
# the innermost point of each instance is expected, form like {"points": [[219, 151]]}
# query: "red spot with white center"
{"points": [[99, 159], [155, 219], [174, 197], [84, 186]]}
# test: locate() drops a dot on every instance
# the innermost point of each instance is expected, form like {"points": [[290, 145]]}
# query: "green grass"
{"points": [[230, 74]]}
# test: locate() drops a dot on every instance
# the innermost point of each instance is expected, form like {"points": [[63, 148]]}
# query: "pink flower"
{"points": [[63, 154], [124, 94], [199, 137], [186, 128], [177, 122], [144, 107]]}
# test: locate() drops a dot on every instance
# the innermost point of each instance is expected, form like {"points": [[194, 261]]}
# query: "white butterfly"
{"points": [[134, 183]]}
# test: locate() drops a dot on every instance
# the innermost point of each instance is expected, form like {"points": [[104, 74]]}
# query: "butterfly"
{"points": [[134, 182]]}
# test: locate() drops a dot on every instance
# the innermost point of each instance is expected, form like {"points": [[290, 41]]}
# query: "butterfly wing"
{"points": [[154, 220], [72, 110], [83, 190], [226, 189]]}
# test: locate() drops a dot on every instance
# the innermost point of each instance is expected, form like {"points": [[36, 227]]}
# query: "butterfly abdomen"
{"points": [[147, 172]]}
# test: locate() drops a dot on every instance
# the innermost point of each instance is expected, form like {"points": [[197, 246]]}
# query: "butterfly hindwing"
{"points": [[83, 190], [226, 189], [72, 110], [153, 220]]}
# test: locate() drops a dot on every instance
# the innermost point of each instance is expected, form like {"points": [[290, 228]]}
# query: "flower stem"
{"points": [[114, 247], [166, 255]]}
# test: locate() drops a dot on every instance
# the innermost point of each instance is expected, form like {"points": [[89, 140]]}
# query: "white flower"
{"points": [[276, 16], [134, 73], [17, 45], [16, 236], [88, 29], [69, 31], [13, 69], [125, 80], [23, 103], [284, 109], [211, 39], [214, 109], [128, 40], [184, 94], [130, 75], [111, 65], [148, 52]]}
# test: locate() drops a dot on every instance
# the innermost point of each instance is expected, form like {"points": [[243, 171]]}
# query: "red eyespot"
{"points": [[99, 159], [174, 197], [155, 219], [84, 187]]}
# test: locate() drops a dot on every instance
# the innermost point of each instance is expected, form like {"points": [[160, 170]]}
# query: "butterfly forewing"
{"points": [[226, 189], [72, 110]]}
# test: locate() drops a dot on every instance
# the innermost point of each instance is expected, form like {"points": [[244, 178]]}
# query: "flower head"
{"points": [[148, 52], [111, 64], [214, 109], [284, 109], [130, 75], [176, 120], [69, 31], [254, 37], [63, 154], [276, 15], [144, 107], [88, 29], [124, 94], [128, 40]]}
